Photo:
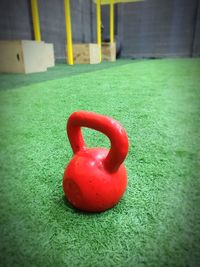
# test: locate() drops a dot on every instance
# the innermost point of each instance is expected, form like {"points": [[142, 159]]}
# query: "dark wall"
{"points": [[52, 24], [105, 18], [16, 22], [196, 41], [159, 28], [153, 28]]}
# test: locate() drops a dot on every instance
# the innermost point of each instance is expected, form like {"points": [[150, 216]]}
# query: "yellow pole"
{"points": [[111, 21], [99, 25], [68, 32], [36, 22]]}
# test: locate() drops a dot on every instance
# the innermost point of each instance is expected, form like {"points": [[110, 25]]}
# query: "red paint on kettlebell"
{"points": [[95, 178]]}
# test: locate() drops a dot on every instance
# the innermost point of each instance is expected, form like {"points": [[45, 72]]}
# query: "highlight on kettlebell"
{"points": [[95, 179]]}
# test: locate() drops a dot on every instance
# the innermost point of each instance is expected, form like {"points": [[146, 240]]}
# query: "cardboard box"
{"points": [[86, 53], [24, 56], [49, 55], [108, 51]]}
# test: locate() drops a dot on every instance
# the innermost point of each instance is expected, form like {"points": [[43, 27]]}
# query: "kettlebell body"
{"points": [[95, 178]]}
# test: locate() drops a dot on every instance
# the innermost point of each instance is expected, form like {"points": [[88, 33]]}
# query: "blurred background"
{"points": [[149, 29]]}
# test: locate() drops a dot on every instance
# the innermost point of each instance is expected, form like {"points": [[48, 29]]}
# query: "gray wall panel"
{"points": [[15, 22], [196, 42], [156, 28], [105, 9], [52, 25]]}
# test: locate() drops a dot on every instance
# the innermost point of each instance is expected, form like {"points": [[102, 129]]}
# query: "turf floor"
{"points": [[157, 222]]}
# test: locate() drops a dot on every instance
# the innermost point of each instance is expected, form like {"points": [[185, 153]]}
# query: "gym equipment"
{"points": [[95, 178]]}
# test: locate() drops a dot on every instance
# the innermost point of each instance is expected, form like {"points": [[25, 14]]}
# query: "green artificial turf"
{"points": [[157, 223]]}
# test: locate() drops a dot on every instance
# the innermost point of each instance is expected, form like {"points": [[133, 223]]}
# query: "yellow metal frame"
{"points": [[68, 32], [111, 21], [99, 25], [111, 3], [36, 21], [107, 2]]}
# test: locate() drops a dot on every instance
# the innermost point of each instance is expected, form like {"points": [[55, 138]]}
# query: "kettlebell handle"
{"points": [[106, 125]]}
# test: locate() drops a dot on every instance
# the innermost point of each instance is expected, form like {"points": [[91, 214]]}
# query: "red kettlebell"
{"points": [[95, 178]]}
